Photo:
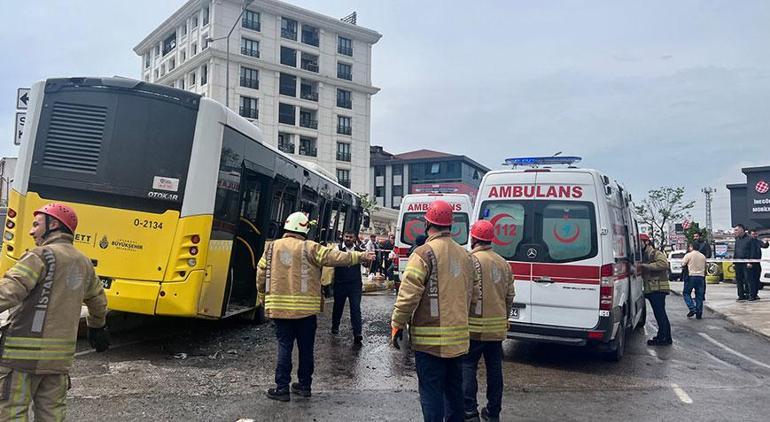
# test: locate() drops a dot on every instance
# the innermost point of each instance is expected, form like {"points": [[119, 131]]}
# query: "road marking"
{"points": [[735, 352], [683, 396], [712, 356]]}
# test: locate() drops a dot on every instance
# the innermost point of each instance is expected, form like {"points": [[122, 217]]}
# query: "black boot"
{"points": [[300, 389], [278, 394]]}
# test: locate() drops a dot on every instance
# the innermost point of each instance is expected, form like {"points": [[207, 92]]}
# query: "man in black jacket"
{"points": [[745, 248], [348, 286], [756, 272], [701, 246]]}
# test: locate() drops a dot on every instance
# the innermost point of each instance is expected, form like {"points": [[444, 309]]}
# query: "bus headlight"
{"points": [[192, 262]]}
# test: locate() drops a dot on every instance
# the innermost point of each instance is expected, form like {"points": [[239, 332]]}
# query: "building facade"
{"points": [[424, 171], [302, 77], [750, 201]]}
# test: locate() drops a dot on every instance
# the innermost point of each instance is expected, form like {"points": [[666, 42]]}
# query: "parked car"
{"points": [[675, 264]]}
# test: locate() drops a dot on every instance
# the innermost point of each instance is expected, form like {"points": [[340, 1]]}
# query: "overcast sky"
{"points": [[653, 93]]}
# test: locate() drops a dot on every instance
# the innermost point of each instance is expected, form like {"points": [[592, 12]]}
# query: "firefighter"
{"points": [[48, 286], [654, 269], [289, 288], [488, 323], [434, 298]]}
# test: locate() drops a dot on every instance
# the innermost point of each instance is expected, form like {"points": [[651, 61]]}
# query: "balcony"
{"points": [[310, 152], [287, 148], [312, 96], [343, 156], [344, 103], [249, 52], [308, 90], [290, 34], [248, 112], [345, 182], [308, 122], [309, 62], [348, 51], [345, 130]]}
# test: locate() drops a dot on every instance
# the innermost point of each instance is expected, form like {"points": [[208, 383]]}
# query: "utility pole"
{"points": [[708, 191]]}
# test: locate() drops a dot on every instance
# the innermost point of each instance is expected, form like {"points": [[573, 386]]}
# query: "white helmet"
{"points": [[297, 222]]}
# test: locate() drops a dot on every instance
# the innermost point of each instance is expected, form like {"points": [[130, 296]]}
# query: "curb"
{"points": [[730, 319]]}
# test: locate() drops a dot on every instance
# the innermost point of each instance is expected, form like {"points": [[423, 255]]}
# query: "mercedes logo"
{"points": [[531, 253]]}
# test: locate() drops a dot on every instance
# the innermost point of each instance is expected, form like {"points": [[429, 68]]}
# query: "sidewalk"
{"points": [[720, 299]]}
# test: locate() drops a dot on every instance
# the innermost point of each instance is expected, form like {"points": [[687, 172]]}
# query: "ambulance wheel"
{"points": [[618, 345]]}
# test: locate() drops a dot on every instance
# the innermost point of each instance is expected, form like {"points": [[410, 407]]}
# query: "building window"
{"points": [[205, 16], [379, 192], [475, 175], [194, 49], [310, 35], [309, 62], [289, 56], [286, 114], [307, 146], [345, 46], [248, 108], [288, 85], [289, 29], [184, 56], [195, 21], [397, 190], [344, 99], [343, 176], [146, 60], [343, 151], [181, 83], [344, 126], [156, 73], [204, 74], [379, 171], [171, 64], [435, 168], [193, 78], [251, 20], [184, 29], [284, 143], [249, 78], [249, 47], [344, 71], [169, 43], [308, 119], [157, 50], [308, 90]]}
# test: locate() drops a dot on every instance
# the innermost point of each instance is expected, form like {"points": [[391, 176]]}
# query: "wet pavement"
{"points": [[202, 371]]}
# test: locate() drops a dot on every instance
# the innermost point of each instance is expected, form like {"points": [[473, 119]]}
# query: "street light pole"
{"points": [[227, 52]]}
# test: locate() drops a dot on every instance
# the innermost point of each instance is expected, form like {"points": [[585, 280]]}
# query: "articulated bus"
{"points": [[176, 194]]}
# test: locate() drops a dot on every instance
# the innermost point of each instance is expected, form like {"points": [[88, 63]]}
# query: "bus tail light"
{"points": [[194, 250], [11, 213], [10, 224], [606, 287], [195, 239]]}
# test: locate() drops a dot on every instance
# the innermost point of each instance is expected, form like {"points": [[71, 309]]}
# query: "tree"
{"points": [[368, 203], [663, 206]]}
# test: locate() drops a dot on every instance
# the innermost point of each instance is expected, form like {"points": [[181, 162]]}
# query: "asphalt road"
{"points": [[205, 371]]}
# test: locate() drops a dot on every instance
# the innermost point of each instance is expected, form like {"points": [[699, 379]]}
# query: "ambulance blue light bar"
{"points": [[542, 161]]}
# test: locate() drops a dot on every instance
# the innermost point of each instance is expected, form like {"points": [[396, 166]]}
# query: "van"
{"points": [[571, 238], [411, 222]]}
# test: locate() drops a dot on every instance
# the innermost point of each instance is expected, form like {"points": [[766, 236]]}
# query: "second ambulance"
{"points": [[571, 237]]}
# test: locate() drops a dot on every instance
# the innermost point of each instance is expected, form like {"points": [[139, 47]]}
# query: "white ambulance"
{"points": [[411, 222], [571, 237]]}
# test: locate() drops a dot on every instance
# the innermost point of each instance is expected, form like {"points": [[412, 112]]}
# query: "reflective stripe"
{"points": [[440, 341], [293, 303], [439, 330], [29, 272], [418, 272], [486, 320], [39, 341], [488, 324], [356, 258], [262, 263], [321, 254], [288, 298]]}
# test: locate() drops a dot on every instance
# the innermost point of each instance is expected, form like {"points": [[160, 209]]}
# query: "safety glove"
{"points": [[99, 338], [396, 336]]}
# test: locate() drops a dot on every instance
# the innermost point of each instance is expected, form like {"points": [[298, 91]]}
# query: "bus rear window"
{"points": [[564, 230], [413, 225]]}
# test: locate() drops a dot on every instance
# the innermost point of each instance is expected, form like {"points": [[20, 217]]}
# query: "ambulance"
{"points": [[571, 237], [411, 222]]}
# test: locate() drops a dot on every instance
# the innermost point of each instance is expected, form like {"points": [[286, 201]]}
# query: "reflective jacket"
{"points": [[655, 271], [488, 318], [48, 286], [289, 275], [435, 295]]}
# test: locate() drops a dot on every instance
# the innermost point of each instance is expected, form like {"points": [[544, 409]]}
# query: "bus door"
{"points": [[249, 239]]}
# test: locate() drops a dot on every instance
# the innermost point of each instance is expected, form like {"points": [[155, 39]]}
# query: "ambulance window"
{"points": [[568, 231], [508, 219], [412, 226]]}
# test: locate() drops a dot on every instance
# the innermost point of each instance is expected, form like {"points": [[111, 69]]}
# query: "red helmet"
{"points": [[643, 237], [483, 230], [61, 212], [439, 213]]}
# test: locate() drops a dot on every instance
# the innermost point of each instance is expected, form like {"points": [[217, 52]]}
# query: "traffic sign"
{"points": [[21, 118], [22, 98]]}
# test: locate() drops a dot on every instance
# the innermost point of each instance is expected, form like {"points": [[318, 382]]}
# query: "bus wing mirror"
{"points": [[366, 220]]}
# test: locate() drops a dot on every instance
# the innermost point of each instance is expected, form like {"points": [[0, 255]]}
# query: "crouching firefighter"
{"points": [[47, 287], [289, 287], [434, 298], [488, 324]]}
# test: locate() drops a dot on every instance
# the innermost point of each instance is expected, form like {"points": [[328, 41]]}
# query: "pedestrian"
{"points": [[695, 263], [387, 262], [434, 299], [371, 247], [289, 288], [488, 323], [654, 269], [700, 245], [48, 285], [745, 248], [348, 287], [756, 272]]}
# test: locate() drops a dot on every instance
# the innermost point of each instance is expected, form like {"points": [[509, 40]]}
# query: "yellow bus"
{"points": [[176, 194]]}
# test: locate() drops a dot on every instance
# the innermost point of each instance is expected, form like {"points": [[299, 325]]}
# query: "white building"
{"points": [[302, 77]]}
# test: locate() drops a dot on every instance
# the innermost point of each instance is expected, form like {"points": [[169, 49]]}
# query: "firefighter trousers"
{"points": [[47, 394]]}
